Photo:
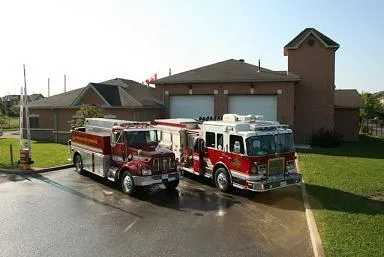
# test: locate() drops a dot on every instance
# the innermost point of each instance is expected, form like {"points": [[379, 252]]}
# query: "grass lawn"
{"points": [[346, 188], [44, 154]]}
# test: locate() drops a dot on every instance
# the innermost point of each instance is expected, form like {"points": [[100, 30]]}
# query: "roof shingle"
{"points": [[229, 71], [116, 92], [347, 98]]}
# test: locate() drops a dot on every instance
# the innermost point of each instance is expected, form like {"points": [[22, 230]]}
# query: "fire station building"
{"points": [[303, 97]]}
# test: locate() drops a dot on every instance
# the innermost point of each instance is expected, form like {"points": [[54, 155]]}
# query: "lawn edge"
{"points": [[317, 245], [36, 170]]}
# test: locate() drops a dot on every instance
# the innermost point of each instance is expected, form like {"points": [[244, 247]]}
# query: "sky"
{"points": [[94, 41]]}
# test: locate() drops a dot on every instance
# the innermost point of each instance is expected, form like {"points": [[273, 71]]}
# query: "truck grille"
{"points": [[276, 166], [162, 164]]}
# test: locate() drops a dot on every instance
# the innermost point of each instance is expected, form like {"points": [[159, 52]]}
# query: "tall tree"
{"points": [[86, 111], [372, 107]]}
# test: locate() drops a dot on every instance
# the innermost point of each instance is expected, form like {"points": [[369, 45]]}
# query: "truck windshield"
{"points": [[148, 137], [268, 144]]}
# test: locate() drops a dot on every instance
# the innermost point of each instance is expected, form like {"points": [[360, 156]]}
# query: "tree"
{"points": [[2, 107], [86, 111], [3, 120], [372, 107]]}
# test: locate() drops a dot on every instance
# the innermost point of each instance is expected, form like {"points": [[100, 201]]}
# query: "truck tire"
{"points": [[79, 164], [222, 180], [127, 183], [171, 185]]}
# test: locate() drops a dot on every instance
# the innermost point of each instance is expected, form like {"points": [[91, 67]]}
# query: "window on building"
{"points": [[34, 122], [219, 140], [236, 142], [210, 139]]}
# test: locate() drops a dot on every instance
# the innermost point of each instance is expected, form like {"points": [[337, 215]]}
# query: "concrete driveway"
{"points": [[61, 213]]}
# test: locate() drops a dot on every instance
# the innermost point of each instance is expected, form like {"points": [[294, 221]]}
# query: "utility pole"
{"points": [[49, 91], [65, 83]]}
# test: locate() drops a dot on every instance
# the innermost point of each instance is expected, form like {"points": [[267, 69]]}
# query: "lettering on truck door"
{"points": [[234, 157]]}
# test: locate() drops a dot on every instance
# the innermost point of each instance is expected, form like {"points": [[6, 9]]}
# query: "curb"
{"points": [[38, 170], [317, 245]]}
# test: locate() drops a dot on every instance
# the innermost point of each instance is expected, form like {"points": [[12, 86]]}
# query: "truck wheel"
{"points": [[79, 164], [127, 183], [171, 185], [222, 181]]}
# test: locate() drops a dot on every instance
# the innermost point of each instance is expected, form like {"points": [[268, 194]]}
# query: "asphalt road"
{"points": [[61, 213]]}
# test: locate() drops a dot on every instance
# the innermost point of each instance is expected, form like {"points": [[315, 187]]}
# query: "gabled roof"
{"points": [[299, 39], [229, 71], [115, 93], [35, 97], [347, 98], [60, 100]]}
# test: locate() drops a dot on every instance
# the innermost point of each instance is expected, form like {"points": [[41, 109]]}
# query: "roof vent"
{"points": [[241, 60]]}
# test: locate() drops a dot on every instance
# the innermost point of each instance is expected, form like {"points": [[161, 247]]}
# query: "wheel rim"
{"points": [[222, 180], [127, 183]]}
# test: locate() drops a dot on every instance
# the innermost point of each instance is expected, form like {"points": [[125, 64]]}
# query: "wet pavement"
{"points": [[61, 213]]}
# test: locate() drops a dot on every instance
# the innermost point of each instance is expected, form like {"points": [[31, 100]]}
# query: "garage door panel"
{"points": [[191, 106], [254, 104]]}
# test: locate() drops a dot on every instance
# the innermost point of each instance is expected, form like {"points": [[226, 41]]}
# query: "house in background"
{"points": [[303, 96], [117, 98], [347, 105], [380, 96], [12, 100]]}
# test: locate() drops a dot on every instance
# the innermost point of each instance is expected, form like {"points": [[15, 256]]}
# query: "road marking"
{"points": [[130, 225]]}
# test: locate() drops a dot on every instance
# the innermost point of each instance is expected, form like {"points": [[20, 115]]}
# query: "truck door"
{"points": [[233, 158], [118, 146], [198, 156]]}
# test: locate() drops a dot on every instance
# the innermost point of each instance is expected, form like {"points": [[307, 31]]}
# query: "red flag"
{"points": [[151, 79]]}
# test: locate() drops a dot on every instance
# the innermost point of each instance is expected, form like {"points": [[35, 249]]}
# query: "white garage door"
{"points": [[254, 104], [191, 106]]}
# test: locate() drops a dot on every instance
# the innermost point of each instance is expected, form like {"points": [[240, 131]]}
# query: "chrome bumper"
{"points": [[274, 182], [155, 179]]}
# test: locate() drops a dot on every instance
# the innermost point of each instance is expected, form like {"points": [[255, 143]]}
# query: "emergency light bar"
{"points": [[231, 117]]}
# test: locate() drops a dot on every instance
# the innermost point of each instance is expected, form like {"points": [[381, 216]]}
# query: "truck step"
{"points": [[112, 173]]}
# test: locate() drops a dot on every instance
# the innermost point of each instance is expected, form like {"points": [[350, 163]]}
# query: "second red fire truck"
{"points": [[240, 151]]}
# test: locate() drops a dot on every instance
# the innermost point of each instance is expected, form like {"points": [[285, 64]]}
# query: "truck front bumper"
{"points": [[155, 179], [274, 182]]}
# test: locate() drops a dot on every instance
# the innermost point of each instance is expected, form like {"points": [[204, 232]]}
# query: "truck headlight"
{"points": [[146, 172], [262, 169]]}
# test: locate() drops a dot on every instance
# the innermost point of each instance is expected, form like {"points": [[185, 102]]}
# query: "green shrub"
{"points": [[326, 138]]}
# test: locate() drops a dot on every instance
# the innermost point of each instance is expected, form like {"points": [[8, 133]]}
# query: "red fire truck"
{"points": [[123, 151], [240, 151]]}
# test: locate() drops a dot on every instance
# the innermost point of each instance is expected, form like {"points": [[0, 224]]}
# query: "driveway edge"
{"points": [[317, 245], [38, 170]]}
